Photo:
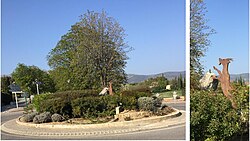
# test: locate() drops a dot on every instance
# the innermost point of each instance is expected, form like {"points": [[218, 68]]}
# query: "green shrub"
{"points": [[71, 95], [129, 102], [93, 107], [136, 94], [56, 105], [149, 103], [86, 104], [213, 118], [158, 89], [60, 102], [39, 100], [241, 94], [146, 103]]}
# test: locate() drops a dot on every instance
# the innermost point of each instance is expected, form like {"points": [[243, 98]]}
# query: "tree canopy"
{"points": [[91, 54], [199, 41], [25, 77], [5, 82]]}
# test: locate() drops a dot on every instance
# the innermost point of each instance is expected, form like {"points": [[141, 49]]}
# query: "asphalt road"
{"points": [[170, 133], [179, 106]]}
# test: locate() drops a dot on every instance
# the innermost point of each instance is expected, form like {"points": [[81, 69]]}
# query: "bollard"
{"points": [[117, 110]]}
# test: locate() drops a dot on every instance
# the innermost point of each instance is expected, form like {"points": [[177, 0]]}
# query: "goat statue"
{"points": [[224, 79]]}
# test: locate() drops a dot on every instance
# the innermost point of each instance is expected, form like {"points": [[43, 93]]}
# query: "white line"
{"points": [[187, 70]]}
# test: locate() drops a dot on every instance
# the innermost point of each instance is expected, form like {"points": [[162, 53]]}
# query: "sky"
{"points": [[154, 28], [230, 19]]}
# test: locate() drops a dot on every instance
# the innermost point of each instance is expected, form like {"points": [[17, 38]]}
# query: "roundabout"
{"points": [[96, 131]]}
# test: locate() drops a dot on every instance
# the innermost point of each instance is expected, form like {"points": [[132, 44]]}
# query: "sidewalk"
{"points": [[29, 129]]}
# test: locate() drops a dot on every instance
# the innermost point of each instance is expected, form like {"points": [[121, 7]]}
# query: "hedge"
{"points": [[85, 104], [213, 118]]}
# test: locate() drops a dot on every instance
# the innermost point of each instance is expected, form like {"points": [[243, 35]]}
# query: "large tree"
{"points": [[25, 77], [199, 41], [5, 82], [91, 54]]}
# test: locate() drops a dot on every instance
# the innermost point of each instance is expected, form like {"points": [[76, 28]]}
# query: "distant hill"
{"points": [[134, 78], [245, 76]]}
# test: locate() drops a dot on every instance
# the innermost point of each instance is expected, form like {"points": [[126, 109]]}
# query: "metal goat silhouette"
{"points": [[224, 79]]}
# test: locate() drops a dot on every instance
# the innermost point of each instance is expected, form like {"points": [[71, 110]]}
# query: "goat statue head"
{"points": [[225, 61]]}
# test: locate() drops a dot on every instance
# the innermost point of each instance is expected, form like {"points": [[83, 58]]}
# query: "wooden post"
{"points": [[110, 88], [16, 100]]}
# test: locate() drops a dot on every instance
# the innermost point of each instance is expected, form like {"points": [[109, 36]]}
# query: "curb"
{"points": [[108, 124], [97, 129]]}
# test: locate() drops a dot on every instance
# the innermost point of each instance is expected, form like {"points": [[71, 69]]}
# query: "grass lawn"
{"points": [[169, 94]]}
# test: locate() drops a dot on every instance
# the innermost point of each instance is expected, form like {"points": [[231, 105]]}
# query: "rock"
{"points": [[57, 118], [42, 118], [28, 117]]}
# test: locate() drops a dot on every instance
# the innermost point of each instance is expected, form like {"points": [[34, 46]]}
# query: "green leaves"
{"points": [[213, 118], [25, 76], [91, 54], [199, 39]]}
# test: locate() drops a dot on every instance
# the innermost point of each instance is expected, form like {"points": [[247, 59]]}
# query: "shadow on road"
{"points": [[8, 107]]}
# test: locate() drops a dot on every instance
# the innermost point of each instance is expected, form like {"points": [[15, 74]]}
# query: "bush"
{"points": [[71, 95], [60, 102], [28, 117], [136, 94], [42, 118], [158, 89], [57, 118], [39, 100], [213, 118], [128, 102], [157, 101], [86, 104], [93, 107], [149, 103], [146, 103]]}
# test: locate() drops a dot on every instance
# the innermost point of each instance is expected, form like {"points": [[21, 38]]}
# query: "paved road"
{"points": [[178, 105], [170, 133]]}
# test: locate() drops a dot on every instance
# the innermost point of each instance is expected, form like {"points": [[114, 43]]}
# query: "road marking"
{"points": [[150, 130]]}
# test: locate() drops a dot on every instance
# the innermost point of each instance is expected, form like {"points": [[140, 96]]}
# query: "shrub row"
{"points": [[86, 104], [158, 89], [136, 94], [213, 118]]}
